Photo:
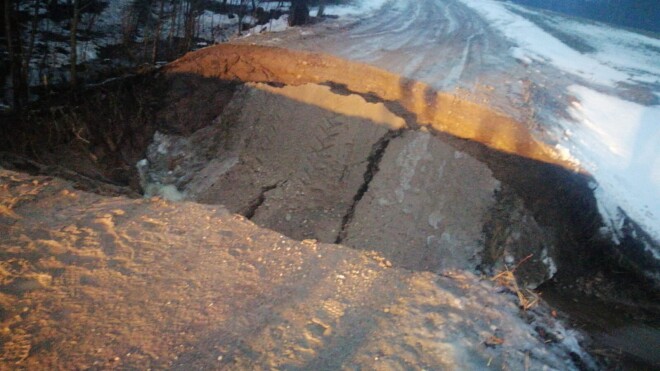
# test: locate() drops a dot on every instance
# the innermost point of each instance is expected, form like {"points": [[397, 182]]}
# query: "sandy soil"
{"points": [[114, 283]]}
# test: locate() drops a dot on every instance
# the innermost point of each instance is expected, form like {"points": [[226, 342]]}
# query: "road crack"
{"points": [[373, 166], [258, 201]]}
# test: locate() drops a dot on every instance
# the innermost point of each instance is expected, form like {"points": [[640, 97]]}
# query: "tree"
{"points": [[73, 54], [15, 54], [299, 12], [319, 13], [156, 38], [242, 11], [78, 7]]}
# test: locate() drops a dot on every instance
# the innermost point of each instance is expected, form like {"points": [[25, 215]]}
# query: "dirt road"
{"points": [[442, 43]]}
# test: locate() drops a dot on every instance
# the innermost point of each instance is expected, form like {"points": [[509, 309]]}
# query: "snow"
{"points": [[626, 51], [619, 144], [362, 7], [615, 140], [456, 71], [277, 25], [536, 44]]}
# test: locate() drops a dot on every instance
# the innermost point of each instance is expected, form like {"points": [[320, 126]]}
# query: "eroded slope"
{"points": [[95, 282]]}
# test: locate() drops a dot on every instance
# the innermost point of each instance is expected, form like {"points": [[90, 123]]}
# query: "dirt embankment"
{"points": [[539, 194], [417, 102], [531, 201], [323, 149], [91, 282]]}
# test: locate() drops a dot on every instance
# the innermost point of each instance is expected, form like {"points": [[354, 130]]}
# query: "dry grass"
{"points": [[527, 298]]}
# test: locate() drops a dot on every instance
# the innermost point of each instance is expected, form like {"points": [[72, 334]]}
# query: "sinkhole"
{"points": [[319, 148]]}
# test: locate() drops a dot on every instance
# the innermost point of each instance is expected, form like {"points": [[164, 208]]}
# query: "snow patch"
{"points": [[363, 7], [168, 192], [276, 25], [521, 55], [619, 143], [536, 44], [552, 267], [152, 189]]}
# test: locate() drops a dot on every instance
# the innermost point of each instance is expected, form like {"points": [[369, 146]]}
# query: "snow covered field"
{"points": [[613, 138]]}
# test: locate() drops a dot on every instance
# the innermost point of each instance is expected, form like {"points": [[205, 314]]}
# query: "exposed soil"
{"points": [[323, 151], [90, 282]]}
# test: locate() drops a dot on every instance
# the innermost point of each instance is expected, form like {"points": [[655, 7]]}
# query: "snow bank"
{"points": [[214, 26], [626, 51], [619, 143], [276, 25]]}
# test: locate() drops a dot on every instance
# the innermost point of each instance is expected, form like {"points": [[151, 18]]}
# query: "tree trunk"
{"points": [[299, 13], [242, 7], [73, 57], [12, 34], [189, 27], [27, 55], [321, 10], [159, 23], [173, 27]]}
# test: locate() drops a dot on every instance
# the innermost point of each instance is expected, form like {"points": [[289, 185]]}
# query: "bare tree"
{"points": [[73, 55], [159, 23], [242, 11], [321, 10], [299, 12], [15, 50]]}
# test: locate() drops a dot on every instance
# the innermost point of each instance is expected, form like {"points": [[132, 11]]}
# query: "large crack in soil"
{"points": [[373, 162], [315, 147], [256, 203]]}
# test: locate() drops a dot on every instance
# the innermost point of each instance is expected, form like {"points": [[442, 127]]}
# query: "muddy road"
{"points": [[442, 43]]}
